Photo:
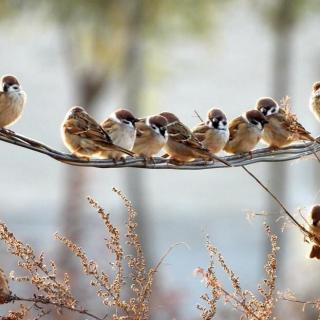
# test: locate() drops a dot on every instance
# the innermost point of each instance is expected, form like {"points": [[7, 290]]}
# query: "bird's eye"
{"points": [[255, 122], [224, 122], [154, 127], [125, 121]]}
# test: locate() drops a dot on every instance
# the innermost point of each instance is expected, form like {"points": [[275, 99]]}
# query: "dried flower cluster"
{"points": [[125, 288], [16, 315], [111, 287], [38, 274], [244, 301]]}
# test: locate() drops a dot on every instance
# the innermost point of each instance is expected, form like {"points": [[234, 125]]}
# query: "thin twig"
{"points": [[157, 266], [302, 228], [198, 115], [165, 255], [45, 301], [275, 198], [315, 302], [243, 305]]}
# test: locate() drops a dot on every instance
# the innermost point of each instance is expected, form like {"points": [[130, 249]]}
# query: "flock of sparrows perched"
{"points": [[121, 134]]}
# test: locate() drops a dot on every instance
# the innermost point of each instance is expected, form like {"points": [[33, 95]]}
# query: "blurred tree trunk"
{"points": [[283, 24], [134, 79]]}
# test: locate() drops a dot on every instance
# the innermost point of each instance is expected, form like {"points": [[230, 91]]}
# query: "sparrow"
{"points": [[314, 228], [12, 100], [214, 132], [283, 127], [151, 136], [315, 100], [5, 292], [245, 132], [182, 145], [84, 137], [120, 126]]}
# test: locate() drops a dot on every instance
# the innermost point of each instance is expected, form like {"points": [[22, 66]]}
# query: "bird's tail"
{"points": [[126, 151], [315, 252], [207, 155], [221, 160], [115, 147], [307, 136]]}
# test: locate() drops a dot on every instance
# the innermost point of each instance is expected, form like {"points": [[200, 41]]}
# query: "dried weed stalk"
{"points": [[246, 302], [111, 287]]}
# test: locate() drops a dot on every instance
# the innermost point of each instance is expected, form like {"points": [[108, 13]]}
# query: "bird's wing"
{"points": [[182, 134], [234, 127], [200, 131], [86, 127], [290, 122], [93, 130]]}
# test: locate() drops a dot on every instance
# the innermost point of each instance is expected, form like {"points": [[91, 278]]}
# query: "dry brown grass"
{"points": [[50, 290], [244, 301], [129, 273]]}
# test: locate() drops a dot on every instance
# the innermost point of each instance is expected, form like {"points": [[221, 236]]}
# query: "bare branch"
{"points": [[46, 301], [307, 233], [293, 152]]}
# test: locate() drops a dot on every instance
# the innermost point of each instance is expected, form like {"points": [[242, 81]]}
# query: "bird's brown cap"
{"points": [[124, 114], [9, 79], [169, 116], [216, 114], [158, 120], [316, 86], [255, 115]]}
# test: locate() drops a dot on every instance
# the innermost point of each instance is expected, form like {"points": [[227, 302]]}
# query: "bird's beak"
{"points": [[263, 111], [134, 121]]}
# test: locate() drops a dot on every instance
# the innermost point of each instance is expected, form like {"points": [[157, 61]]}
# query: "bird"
{"points": [[120, 126], [315, 100], [214, 132], [5, 292], [182, 145], [282, 128], [314, 228], [245, 132], [84, 137], [151, 136], [12, 101]]}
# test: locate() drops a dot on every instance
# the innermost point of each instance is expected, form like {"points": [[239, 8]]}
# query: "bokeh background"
{"points": [[150, 56]]}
